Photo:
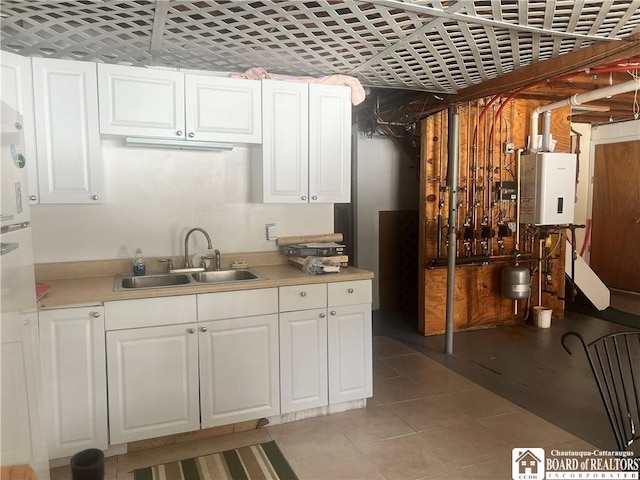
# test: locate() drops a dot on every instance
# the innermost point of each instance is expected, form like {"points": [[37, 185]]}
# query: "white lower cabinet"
{"points": [[21, 439], [239, 369], [179, 370], [325, 344], [153, 382], [303, 360], [74, 379], [177, 364], [350, 358], [350, 337]]}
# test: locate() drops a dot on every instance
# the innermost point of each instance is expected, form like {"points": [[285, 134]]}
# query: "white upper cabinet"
{"points": [[222, 109], [306, 144], [67, 135], [169, 104], [16, 89], [140, 101], [329, 143], [280, 167]]}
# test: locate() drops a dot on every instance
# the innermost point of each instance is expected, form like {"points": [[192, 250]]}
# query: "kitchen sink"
{"points": [[220, 276], [127, 282]]}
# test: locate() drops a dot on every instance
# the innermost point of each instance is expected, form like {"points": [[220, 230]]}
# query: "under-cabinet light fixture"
{"points": [[174, 143]]}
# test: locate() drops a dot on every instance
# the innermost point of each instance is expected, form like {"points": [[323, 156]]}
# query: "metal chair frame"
{"points": [[615, 363]]}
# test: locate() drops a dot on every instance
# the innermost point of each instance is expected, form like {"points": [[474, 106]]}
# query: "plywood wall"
{"points": [[487, 226]]}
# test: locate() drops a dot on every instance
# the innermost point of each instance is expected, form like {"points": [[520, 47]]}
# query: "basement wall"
{"points": [[154, 196], [384, 183]]}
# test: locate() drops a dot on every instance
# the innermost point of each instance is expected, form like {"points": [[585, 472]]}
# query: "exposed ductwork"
{"points": [[574, 100]]}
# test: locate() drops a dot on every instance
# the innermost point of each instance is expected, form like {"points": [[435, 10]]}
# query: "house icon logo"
{"points": [[527, 463]]}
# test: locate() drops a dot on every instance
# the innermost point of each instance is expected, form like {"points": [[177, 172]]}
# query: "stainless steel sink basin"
{"points": [[127, 282], [220, 276]]}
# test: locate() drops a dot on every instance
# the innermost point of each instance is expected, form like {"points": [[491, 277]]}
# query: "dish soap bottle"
{"points": [[139, 267]]}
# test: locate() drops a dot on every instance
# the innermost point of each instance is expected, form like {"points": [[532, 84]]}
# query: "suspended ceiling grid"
{"points": [[430, 46]]}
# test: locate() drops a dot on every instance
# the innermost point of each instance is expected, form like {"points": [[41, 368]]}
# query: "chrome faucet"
{"points": [[186, 244], [216, 253], [215, 257]]}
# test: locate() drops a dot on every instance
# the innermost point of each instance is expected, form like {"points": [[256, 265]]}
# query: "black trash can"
{"points": [[88, 465]]}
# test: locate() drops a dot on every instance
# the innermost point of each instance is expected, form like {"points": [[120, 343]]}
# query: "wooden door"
{"points": [[615, 237]]}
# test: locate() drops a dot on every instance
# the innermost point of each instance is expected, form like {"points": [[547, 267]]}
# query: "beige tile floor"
{"points": [[423, 422]]}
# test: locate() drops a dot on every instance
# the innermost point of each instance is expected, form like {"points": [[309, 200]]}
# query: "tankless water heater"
{"points": [[547, 188]]}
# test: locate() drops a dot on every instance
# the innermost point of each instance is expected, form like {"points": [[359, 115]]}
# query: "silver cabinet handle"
{"points": [[179, 133], [95, 314], [314, 198], [203, 329], [303, 294], [322, 315], [33, 198], [350, 290], [333, 312], [304, 198], [94, 197], [191, 330], [191, 135]]}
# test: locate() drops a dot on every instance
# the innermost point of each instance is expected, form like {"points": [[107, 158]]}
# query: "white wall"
{"points": [[154, 196], [384, 182]]}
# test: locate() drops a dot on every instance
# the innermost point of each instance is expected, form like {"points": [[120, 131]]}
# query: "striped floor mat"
{"points": [[256, 462]]}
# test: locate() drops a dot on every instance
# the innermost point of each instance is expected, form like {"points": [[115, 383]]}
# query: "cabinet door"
{"points": [[21, 438], [67, 134], [153, 382], [350, 360], [222, 109], [74, 379], [329, 143], [303, 360], [285, 142], [141, 102], [239, 371], [17, 92]]}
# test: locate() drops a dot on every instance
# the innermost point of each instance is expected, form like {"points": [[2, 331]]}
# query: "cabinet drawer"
{"points": [[349, 293], [148, 312], [303, 297], [243, 303]]}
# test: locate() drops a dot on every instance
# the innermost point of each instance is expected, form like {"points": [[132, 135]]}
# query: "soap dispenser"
{"points": [[139, 267]]}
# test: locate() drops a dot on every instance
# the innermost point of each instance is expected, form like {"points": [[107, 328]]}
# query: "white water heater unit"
{"points": [[547, 188]]}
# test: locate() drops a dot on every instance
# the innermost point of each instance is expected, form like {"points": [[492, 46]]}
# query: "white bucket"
{"points": [[542, 317]]}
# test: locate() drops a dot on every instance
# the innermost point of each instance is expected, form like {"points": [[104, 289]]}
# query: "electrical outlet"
{"points": [[271, 231], [509, 147]]}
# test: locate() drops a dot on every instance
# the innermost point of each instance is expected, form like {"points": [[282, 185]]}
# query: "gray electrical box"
{"points": [[547, 188]]}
